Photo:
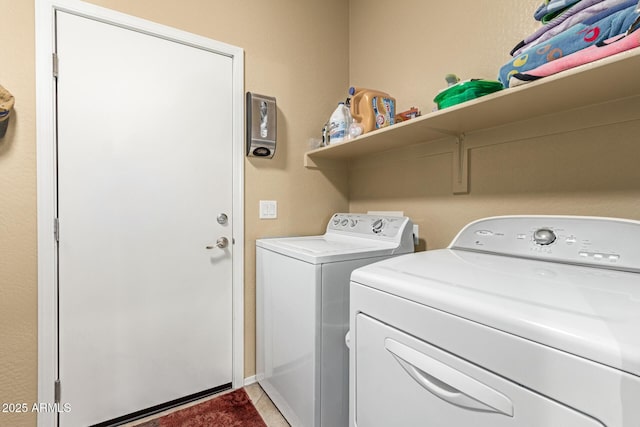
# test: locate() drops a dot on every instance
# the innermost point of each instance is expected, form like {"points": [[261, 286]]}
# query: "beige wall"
{"points": [[289, 54], [18, 269], [582, 162], [408, 48]]}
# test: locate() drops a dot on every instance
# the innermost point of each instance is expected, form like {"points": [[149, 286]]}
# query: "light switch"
{"points": [[268, 209]]}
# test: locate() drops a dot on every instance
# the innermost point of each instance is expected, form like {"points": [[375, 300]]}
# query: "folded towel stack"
{"points": [[575, 32]]}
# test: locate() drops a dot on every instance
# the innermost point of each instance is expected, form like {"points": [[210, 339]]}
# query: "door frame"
{"points": [[46, 180]]}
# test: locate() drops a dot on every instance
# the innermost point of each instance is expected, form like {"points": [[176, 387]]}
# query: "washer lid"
{"points": [[329, 248], [591, 312]]}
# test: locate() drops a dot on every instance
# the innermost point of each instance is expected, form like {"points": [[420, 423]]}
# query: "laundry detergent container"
{"points": [[371, 108]]}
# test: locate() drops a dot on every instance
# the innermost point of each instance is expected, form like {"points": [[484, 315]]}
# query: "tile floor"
{"points": [[267, 410], [270, 414]]}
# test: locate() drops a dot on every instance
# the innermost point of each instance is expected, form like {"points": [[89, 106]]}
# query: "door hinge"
{"points": [[56, 391], [56, 229], [55, 65]]}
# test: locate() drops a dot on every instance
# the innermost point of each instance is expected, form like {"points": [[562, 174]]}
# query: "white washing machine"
{"points": [[522, 321], [302, 312]]}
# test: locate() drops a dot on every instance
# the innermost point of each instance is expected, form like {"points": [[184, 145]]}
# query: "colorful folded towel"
{"points": [[551, 8], [592, 53], [576, 14], [578, 37]]}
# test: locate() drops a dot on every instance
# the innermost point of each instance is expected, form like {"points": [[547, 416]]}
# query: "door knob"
{"points": [[221, 243]]}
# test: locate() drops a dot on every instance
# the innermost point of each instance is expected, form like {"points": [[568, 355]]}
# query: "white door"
{"points": [[144, 169]]}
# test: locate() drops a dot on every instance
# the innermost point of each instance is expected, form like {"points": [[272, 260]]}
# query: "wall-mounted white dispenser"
{"points": [[261, 125]]}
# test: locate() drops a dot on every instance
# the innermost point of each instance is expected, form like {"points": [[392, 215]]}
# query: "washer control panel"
{"points": [[605, 242], [373, 226]]}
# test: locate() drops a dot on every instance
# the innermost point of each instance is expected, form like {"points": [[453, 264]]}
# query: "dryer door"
{"points": [[407, 382]]}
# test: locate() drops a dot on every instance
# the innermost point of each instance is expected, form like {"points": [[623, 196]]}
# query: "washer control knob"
{"points": [[544, 236], [353, 222], [336, 220], [377, 225], [344, 222]]}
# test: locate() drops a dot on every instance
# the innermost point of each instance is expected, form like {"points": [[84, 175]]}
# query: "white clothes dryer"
{"points": [[523, 321], [302, 312]]}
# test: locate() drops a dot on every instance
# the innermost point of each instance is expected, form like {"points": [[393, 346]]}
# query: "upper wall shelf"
{"points": [[608, 79]]}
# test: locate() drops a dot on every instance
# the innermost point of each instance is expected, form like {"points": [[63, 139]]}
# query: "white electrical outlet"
{"points": [[268, 209], [416, 235]]}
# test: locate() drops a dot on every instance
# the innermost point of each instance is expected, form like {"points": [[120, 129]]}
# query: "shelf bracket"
{"points": [[309, 162], [460, 166]]}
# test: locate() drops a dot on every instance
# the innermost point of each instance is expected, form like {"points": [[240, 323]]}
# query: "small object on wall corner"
{"points": [[6, 105]]}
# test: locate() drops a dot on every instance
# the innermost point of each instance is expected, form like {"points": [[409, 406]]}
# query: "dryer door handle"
{"points": [[448, 383]]}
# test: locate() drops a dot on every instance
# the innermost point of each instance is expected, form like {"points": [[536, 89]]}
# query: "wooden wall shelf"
{"points": [[608, 79]]}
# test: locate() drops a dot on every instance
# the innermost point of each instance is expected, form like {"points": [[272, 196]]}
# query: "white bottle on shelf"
{"points": [[338, 124]]}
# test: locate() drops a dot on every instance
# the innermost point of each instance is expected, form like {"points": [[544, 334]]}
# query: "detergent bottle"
{"points": [[338, 124], [373, 109]]}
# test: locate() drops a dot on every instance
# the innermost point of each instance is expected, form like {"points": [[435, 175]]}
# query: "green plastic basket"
{"points": [[466, 91]]}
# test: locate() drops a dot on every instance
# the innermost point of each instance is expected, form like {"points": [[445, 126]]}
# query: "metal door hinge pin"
{"points": [[56, 391], [55, 64]]}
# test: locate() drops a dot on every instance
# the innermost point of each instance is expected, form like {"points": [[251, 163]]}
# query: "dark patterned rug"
{"points": [[233, 409]]}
